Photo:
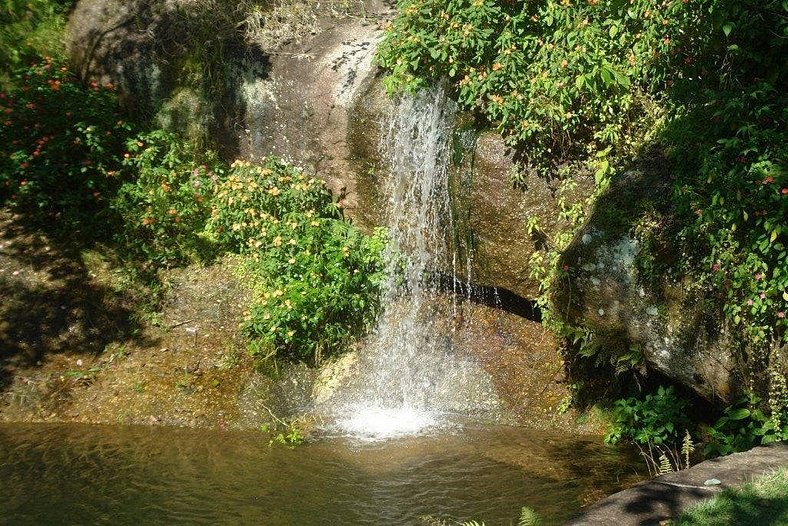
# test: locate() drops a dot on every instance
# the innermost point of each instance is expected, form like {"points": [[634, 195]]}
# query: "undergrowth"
{"points": [[72, 163], [762, 501]]}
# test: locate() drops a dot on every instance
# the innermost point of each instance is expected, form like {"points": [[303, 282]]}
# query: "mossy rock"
{"points": [[621, 287]]}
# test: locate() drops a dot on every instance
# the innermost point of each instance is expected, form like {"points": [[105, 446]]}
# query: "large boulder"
{"points": [[618, 285], [179, 63]]}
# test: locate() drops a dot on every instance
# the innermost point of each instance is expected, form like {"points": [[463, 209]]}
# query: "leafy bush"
{"points": [[60, 145], [742, 427], [316, 278], [30, 29], [657, 419], [733, 196], [545, 73], [166, 202]]}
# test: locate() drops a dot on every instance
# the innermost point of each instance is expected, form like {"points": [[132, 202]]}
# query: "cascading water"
{"points": [[412, 378]]}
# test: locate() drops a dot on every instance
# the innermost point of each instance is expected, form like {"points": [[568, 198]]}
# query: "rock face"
{"points": [[180, 63], [302, 109], [618, 286], [498, 213]]}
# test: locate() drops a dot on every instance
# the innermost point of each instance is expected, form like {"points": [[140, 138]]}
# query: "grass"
{"points": [[764, 501]]}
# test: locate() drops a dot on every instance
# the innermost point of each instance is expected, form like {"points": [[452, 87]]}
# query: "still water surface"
{"points": [[76, 474]]}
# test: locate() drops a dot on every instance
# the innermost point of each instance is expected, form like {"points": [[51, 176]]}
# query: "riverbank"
{"points": [[664, 498], [77, 346]]}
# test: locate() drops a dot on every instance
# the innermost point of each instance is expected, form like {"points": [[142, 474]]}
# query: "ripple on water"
{"points": [[125, 475]]}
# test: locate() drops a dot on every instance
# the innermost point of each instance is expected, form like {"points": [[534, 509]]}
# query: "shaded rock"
{"points": [[620, 286], [179, 63], [498, 213], [666, 497]]}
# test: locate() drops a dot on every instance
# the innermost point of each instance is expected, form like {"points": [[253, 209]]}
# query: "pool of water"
{"points": [[77, 474]]}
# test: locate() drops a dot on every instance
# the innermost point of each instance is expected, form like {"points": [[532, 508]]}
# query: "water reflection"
{"points": [[72, 474]]}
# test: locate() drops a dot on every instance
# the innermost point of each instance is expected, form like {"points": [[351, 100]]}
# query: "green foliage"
{"points": [[60, 146], [734, 196], [742, 427], [545, 73], [657, 419], [316, 278], [528, 517], [288, 434], [30, 29], [67, 155], [166, 201]]}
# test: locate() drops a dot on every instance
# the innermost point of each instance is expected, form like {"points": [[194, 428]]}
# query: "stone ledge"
{"points": [[667, 496]]}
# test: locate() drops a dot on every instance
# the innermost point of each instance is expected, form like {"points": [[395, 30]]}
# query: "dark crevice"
{"points": [[496, 297]]}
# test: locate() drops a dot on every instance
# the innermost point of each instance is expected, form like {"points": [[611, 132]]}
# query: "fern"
{"points": [[528, 517], [687, 447], [664, 465]]}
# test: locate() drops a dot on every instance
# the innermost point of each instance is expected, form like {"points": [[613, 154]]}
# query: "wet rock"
{"points": [[498, 213], [333, 375]]}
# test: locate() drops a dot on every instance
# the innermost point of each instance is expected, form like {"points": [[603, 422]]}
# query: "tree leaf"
{"points": [[739, 414]]}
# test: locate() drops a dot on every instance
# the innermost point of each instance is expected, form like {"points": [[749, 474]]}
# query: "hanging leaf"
{"points": [[738, 414]]}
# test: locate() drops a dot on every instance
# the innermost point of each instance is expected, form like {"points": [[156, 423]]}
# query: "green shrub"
{"points": [[30, 29], [742, 427], [60, 146], [166, 202], [316, 278], [733, 196], [544, 73], [658, 419]]}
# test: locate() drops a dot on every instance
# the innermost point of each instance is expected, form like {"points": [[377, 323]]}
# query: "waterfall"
{"points": [[411, 378]]}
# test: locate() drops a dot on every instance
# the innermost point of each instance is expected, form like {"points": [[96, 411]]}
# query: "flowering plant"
{"points": [[60, 145], [316, 278]]}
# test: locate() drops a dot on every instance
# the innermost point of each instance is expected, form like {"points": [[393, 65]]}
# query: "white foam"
{"points": [[379, 423]]}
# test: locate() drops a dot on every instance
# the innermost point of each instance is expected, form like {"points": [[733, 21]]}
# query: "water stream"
{"points": [[412, 379]]}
